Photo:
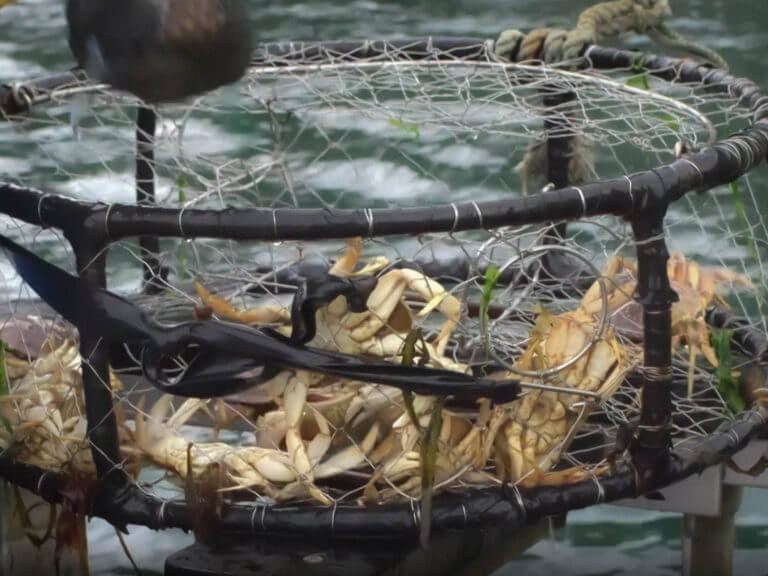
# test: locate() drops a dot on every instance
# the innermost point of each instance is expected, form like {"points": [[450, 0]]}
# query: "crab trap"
{"points": [[382, 288]]}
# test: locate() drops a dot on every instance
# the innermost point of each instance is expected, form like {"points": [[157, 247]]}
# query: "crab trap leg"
{"points": [[708, 541], [656, 296], [559, 156], [146, 121], [102, 422]]}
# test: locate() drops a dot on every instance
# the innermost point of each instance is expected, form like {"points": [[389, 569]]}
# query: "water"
{"points": [[601, 540]]}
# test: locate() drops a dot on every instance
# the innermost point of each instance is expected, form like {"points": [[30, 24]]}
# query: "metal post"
{"points": [[146, 122]]}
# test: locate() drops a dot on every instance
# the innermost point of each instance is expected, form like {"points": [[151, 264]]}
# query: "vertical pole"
{"points": [[146, 122], [561, 270], [656, 296], [708, 541], [99, 409], [559, 140]]}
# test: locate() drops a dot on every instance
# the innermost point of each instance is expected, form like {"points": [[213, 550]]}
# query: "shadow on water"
{"points": [[470, 552]]}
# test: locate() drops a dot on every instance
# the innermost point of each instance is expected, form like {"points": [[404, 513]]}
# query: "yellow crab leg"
{"points": [[267, 314], [345, 266]]}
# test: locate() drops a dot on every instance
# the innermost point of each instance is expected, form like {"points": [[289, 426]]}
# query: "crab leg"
{"points": [[257, 315]]}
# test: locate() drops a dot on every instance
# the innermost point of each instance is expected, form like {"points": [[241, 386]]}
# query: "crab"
{"points": [[524, 440], [696, 288], [379, 330], [42, 418], [460, 454], [525, 436], [536, 429], [282, 474]]}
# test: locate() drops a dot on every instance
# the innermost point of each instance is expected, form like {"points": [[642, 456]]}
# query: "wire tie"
{"points": [[518, 499], [181, 226], [21, 95], [161, 514], [369, 218], [333, 517], [631, 196], [701, 175], [600, 489], [455, 217], [479, 215], [583, 200], [40, 482], [274, 224], [416, 514], [106, 221], [40, 208]]}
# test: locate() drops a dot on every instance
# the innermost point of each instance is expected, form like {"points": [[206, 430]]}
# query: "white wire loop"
{"points": [[106, 221], [369, 218], [40, 208], [583, 200], [597, 335], [181, 224], [40, 481], [629, 191], [263, 508], [22, 95], [518, 499], [161, 514], [455, 218], [479, 215], [275, 235]]}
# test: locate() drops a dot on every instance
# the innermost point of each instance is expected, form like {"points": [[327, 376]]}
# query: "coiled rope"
{"points": [[597, 24]]}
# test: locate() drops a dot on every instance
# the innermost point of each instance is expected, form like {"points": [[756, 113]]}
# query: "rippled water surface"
{"points": [[601, 540]]}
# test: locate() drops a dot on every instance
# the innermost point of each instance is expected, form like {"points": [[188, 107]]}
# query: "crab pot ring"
{"points": [[641, 198]]}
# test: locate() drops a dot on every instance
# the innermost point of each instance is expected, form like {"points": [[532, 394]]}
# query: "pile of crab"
{"points": [[326, 439], [42, 408]]}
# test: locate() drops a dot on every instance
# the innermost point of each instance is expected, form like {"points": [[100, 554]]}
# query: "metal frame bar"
{"points": [[146, 122]]}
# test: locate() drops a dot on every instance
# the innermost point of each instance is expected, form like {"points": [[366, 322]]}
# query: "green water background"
{"points": [[601, 540]]}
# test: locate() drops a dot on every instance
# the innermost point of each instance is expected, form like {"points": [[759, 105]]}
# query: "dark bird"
{"points": [[160, 50]]}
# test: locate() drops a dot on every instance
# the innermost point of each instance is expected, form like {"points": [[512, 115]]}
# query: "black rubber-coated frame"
{"points": [[641, 198]]}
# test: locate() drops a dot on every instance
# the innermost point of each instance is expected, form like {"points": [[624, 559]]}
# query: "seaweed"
{"points": [[727, 383]]}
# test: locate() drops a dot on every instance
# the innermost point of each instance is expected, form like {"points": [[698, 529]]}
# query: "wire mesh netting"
{"points": [[555, 310]]}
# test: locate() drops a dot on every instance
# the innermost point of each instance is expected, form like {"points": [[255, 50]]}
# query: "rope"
{"points": [[595, 25], [666, 36]]}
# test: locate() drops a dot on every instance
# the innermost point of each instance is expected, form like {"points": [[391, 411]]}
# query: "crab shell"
{"points": [[540, 425], [696, 288], [399, 467], [44, 412], [281, 474], [379, 330]]}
